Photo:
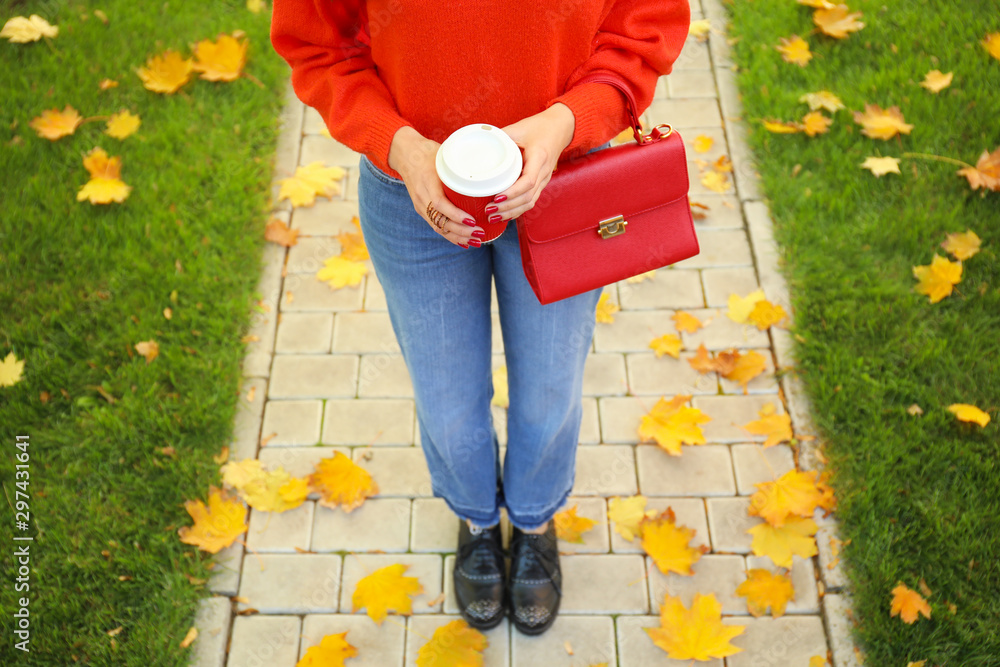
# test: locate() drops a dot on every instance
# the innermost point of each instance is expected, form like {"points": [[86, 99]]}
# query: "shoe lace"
{"points": [[482, 551], [530, 550]]}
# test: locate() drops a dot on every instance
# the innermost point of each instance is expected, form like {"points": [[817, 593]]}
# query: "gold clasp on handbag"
{"points": [[612, 226]]}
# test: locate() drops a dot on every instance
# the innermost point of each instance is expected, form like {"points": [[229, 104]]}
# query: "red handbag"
{"points": [[610, 214]]}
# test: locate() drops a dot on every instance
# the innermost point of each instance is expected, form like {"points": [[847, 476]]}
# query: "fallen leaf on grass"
{"points": [[992, 44], [189, 638], [606, 310], [795, 538], [669, 545], [627, 514], [837, 22], [666, 344], [53, 124], [908, 605], [782, 127], [386, 589], [107, 84], [696, 633], [122, 125], [105, 184], [570, 527], [279, 232], [962, 246], [255, 6], [817, 4], [794, 50], [501, 393], [148, 349], [671, 424], [814, 123], [986, 173], [221, 60], [740, 307], [165, 72], [453, 645], [938, 279], [766, 314], [218, 525], [331, 651], [340, 481], [969, 413], [936, 81], [822, 99], [881, 123], [793, 494], [338, 272], [311, 181], [918, 663], [11, 370], [684, 321], [762, 589], [880, 166], [20, 30]]}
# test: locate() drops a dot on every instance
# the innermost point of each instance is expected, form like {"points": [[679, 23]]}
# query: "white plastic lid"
{"points": [[478, 161]]}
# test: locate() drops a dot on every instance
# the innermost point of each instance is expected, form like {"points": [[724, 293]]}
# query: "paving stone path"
{"points": [[326, 376]]}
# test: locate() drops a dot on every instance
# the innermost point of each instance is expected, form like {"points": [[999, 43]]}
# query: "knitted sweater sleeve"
{"points": [[328, 47], [639, 40]]}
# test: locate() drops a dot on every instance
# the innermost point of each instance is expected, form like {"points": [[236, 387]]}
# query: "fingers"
{"points": [[456, 231], [522, 196]]}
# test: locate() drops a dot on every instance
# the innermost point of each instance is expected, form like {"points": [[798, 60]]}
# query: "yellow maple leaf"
{"points": [[762, 589], [837, 22], [606, 309], [352, 246], [814, 123], [218, 525], [668, 544], [969, 413], [386, 589], [278, 232], [962, 246], [222, 60], [793, 494], [149, 349], [716, 181], [820, 661], [777, 428], [726, 361], [11, 370], [822, 99], [765, 314], [879, 123], [338, 272], [671, 424], [627, 514], [20, 30], [782, 127], [686, 322], [986, 173], [936, 81], [501, 395], [331, 651], [666, 344], [454, 644], [696, 633], [794, 50], [267, 491], [938, 279], [53, 124], [880, 166], [741, 307], [817, 4], [828, 501], [908, 605], [105, 184], [310, 181], [746, 368], [165, 72], [570, 527], [122, 124], [255, 6], [795, 538], [699, 29], [702, 361], [992, 44], [107, 84], [242, 474], [340, 481], [641, 277], [702, 143]]}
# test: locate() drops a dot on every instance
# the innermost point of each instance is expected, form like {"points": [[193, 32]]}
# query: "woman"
{"points": [[392, 79]]}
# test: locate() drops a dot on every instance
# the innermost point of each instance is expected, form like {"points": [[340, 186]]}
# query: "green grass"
{"points": [[81, 284], [919, 495]]}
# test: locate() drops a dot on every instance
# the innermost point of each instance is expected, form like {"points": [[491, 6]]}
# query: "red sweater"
{"points": [[372, 67]]}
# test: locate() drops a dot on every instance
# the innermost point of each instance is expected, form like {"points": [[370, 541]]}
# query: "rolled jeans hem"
{"points": [[531, 520]]}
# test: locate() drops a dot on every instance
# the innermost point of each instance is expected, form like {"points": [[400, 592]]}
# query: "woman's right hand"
{"points": [[412, 156]]}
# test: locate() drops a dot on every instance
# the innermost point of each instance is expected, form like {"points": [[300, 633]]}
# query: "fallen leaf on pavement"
{"points": [[668, 544], [501, 393], [795, 538], [218, 525], [338, 272], [684, 321], [570, 527], [741, 307], [794, 493], [777, 427], [384, 590], [762, 589], [627, 513], [453, 645], [696, 633], [666, 344], [311, 181], [671, 424], [340, 481], [766, 314], [279, 232], [331, 651], [606, 309]]}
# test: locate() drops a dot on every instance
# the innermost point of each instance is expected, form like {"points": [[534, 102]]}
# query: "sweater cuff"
{"points": [[600, 115], [383, 127]]}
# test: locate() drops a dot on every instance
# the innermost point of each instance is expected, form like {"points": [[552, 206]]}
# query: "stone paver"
{"points": [[323, 374]]}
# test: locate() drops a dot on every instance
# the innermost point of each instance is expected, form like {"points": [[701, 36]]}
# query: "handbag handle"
{"points": [[659, 132]]}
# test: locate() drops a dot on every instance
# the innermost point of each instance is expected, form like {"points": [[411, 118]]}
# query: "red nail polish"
{"points": [[491, 209], [475, 243], [464, 246], [479, 233], [470, 222], [495, 219], [500, 198]]}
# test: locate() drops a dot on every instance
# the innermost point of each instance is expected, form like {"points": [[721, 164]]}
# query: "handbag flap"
{"points": [[626, 180]]}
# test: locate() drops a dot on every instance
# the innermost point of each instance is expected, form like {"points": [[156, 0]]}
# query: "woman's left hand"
{"points": [[543, 137]]}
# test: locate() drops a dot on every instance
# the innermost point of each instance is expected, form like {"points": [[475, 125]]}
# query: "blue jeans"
{"points": [[438, 295]]}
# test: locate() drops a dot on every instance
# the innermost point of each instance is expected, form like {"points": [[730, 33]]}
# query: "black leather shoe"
{"points": [[535, 580], [479, 576]]}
